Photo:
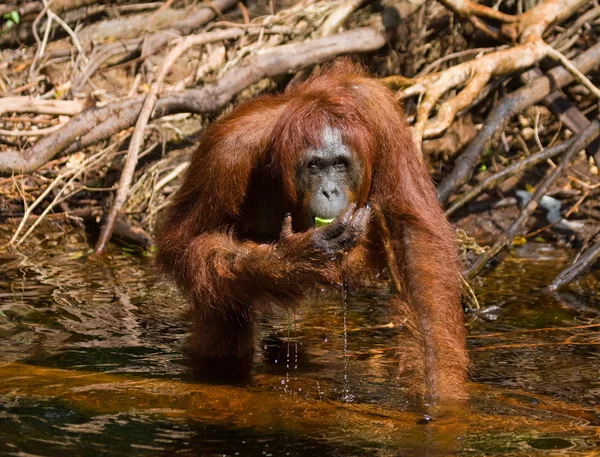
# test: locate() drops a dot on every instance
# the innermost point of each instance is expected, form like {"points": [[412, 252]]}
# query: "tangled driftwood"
{"points": [[476, 73]]}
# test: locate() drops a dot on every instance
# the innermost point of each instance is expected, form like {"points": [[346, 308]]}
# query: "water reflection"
{"points": [[91, 363]]}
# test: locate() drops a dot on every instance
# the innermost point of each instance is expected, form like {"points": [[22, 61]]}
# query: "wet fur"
{"points": [[219, 237]]}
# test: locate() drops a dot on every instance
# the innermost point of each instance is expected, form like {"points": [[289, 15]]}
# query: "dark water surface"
{"points": [[91, 364]]}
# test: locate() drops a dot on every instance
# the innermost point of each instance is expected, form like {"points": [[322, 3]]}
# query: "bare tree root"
{"points": [[466, 8], [533, 23], [473, 11], [587, 259], [138, 133], [475, 74], [508, 107], [582, 140], [122, 114]]}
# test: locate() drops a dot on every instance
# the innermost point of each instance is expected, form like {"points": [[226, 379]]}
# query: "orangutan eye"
{"points": [[341, 163], [313, 164]]}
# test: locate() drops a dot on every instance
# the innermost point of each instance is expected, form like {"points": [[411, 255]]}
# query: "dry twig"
{"points": [[582, 140], [70, 174], [142, 121], [33, 105], [567, 275], [516, 167], [509, 106]]}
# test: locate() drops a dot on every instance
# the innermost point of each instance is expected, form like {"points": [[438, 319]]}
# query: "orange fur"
{"points": [[210, 243]]}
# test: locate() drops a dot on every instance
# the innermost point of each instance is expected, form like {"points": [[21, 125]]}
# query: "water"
{"points": [[91, 364], [348, 397]]}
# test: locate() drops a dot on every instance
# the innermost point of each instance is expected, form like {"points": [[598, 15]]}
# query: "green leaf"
{"points": [[322, 222], [11, 18], [14, 16]]}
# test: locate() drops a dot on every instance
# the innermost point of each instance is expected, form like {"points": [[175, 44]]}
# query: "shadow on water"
{"points": [[91, 363]]}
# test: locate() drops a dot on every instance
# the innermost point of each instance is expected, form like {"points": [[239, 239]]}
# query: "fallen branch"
{"points": [[587, 259], [514, 103], [34, 105], [568, 37], [171, 176], [579, 76], [68, 30], [586, 137], [122, 114], [69, 136], [516, 167], [567, 275], [36, 6], [153, 41]]}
